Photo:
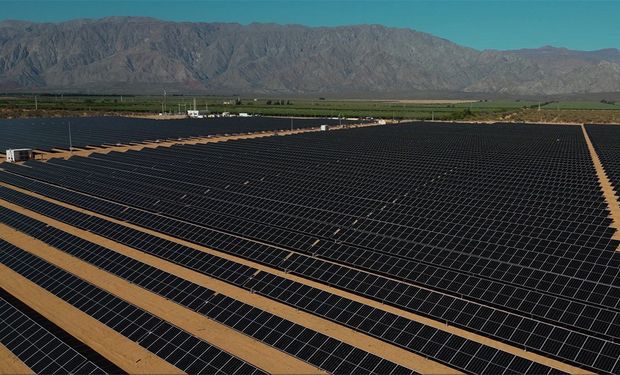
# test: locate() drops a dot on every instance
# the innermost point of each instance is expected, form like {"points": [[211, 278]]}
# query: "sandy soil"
{"points": [[10, 364], [155, 116]]}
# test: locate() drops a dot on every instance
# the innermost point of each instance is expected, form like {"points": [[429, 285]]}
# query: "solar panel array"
{"points": [[183, 350], [606, 141], [47, 133], [43, 346], [289, 337], [499, 230], [453, 350]]}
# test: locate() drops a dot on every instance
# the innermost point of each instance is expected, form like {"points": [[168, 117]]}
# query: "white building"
{"points": [[192, 113], [19, 154]]}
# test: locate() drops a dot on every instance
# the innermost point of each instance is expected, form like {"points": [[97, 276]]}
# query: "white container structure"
{"points": [[324, 128], [192, 113], [19, 154]]}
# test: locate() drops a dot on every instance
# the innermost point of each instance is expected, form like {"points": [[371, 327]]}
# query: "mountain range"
{"points": [[144, 55]]}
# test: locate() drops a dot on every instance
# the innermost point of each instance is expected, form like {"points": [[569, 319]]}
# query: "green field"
{"points": [[277, 106]]}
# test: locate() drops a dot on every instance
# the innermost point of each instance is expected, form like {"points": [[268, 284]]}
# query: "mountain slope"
{"points": [[125, 54]]}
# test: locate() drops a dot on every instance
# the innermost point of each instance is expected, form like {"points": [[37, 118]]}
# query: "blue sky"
{"points": [[499, 24]]}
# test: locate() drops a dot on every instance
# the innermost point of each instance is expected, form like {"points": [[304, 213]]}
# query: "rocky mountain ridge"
{"points": [[143, 55]]}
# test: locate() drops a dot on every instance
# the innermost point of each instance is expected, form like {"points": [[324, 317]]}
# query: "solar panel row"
{"points": [[47, 133], [609, 269], [176, 346], [455, 354], [502, 229], [42, 346], [471, 357], [579, 318], [558, 282], [322, 351]]}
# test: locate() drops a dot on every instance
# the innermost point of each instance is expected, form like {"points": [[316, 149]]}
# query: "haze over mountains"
{"points": [[143, 55]]}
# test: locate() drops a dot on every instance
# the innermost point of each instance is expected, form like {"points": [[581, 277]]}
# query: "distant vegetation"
{"points": [[66, 105]]}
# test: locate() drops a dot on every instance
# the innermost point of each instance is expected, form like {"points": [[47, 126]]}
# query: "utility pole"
{"points": [[432, 115], [291, 124], [164, 104], [70, 140], [36, 103], [179, 104]]}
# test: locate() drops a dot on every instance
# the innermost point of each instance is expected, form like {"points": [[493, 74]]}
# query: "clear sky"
{"points": [[499, 24]]}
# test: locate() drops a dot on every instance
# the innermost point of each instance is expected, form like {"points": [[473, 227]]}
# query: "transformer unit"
{"points": [[19, 154]]}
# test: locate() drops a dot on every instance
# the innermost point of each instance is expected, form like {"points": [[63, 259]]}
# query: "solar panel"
{"points": [[174, 345], [500, 229], [216, 307], [42, 346], [465, 355], [268, 328], [484, 326], [47, 133], [605, 139]]}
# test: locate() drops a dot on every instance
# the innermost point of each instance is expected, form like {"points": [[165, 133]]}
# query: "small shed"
{"points": [[194, 114], [19, 154]]}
